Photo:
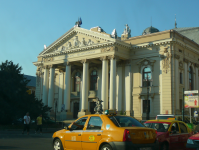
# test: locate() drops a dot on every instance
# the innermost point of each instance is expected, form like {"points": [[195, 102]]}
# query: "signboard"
{"points": [[195, 113], [190, 92], [191, 101]]}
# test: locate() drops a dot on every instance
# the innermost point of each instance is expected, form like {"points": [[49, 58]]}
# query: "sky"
{"points": [[26, 25]]}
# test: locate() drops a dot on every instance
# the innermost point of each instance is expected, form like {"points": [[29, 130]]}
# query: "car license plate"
{"points": [[146, 148]]}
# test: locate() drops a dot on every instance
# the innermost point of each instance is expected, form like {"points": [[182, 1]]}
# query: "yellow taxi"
{"points": [[171, 134], [105, 132]]}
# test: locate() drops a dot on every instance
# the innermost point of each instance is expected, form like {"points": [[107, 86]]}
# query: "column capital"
{"points": [[127, 62], [84, 61], [176, 56], [113, 56], [52, 66], [61, 71], [67, 63], [46, 67], [185, 60], [103, 58]]}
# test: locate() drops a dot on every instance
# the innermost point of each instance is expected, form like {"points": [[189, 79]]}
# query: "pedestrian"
{"points": [[26, 123], [39, 124]]}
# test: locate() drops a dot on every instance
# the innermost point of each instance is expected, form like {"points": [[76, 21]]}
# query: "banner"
{"points": [[191, 101]]}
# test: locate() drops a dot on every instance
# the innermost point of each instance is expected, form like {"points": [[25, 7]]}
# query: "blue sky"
{"points": [[26, 25]]}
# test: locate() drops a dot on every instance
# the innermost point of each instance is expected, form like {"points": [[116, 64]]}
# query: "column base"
{"points": [[128, 113], [82, 113], [65, 115]]}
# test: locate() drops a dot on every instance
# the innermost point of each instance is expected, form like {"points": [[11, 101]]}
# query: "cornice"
{"points": [[156, 43]]}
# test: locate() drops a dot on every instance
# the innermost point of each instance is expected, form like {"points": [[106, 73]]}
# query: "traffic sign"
{"points": [[189, 92]]}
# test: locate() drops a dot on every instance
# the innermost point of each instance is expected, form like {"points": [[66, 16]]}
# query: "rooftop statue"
{"points": [[78, 23], [98, 108], [127, 30]]}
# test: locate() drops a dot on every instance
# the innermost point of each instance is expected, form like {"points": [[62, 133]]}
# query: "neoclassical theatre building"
{"points": [[124, 72]]}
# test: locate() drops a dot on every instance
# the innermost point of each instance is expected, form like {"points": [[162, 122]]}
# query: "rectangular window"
{"points": [[180, 50], [144, 106], [181, 78]]}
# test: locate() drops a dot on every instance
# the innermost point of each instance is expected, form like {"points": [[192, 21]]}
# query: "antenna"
{"points": [[175, 22]]}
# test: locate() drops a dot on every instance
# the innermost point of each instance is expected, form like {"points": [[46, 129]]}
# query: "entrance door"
{"points": [[75, 110], [92, 106]]}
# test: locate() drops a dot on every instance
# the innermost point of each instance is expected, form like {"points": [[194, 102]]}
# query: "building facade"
{"points": [[125, 72]]}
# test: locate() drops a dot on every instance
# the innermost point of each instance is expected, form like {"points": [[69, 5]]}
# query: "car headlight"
{"points": [[189, 141]]}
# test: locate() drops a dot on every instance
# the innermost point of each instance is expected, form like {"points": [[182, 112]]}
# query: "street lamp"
{"points": [[147, 84]]}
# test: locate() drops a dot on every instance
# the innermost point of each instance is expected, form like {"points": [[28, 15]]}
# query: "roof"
{"points": [[32, 80], [169, 121], [150, 30], [190, 32]]}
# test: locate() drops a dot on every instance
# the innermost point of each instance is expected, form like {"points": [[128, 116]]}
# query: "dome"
{"points": [[150, 30]]}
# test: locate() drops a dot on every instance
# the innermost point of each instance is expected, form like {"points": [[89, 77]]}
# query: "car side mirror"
{"points": [[66, 128]]}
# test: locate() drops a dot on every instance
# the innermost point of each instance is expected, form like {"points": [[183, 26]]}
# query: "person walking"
{"points": [[39, 124], [26, 123]]}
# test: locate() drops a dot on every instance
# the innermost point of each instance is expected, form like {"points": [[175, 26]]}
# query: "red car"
{"points": [[171, 134], [193, 142]]}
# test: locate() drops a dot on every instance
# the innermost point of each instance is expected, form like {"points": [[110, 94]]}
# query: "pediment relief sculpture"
{"points": [[109, 49], [48, 59]]}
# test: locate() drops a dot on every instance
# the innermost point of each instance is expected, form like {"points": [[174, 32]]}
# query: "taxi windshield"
{"points": [[125, 121], [160, 127]]}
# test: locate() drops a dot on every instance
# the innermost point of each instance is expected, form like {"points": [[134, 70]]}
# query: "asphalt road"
{"points": [[15, 140]]}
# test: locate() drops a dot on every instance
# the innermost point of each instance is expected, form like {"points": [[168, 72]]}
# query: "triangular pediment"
{"points": [[77, 38], [145, 61]]}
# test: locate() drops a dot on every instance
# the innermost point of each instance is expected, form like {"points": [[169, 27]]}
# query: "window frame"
{"points": [[93, 83], [191, 87], [143, 73]]}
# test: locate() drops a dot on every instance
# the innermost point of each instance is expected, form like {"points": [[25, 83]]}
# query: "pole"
{"points": [[147, 112], [190, 114], [183, 105]]}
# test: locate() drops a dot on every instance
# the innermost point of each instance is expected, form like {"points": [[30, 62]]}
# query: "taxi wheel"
{"points": [[106, 147], [164, 146], [57, 145]]}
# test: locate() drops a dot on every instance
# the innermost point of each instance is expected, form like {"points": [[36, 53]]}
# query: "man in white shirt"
{"points": [[26, 123]]}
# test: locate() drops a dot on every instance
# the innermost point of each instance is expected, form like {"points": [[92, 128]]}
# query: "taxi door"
{"points": [[92, 134], [73, 138], [174, 135], [184, 134]]}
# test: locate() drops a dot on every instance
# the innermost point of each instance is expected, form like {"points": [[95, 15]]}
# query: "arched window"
{"points": [[77, 82], [93, 80], [146, 77], [190, 78]]}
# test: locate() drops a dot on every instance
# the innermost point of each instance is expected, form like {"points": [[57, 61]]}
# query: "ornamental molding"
{"points": [[145, 62], [67, 63], [146, 45], [84, 61]]}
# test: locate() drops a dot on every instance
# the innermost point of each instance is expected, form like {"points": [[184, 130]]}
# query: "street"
{"points": [[15, 140]]}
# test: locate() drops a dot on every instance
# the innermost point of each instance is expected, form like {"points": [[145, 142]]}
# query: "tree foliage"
{"points": [[14, 99]]}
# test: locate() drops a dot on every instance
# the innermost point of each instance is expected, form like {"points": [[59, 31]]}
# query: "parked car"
{"points": [[171, 134], [164, 116], [193, 142], [105, 132]]}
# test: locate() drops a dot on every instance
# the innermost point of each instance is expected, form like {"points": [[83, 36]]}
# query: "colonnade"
{"points": [[48, 85]]}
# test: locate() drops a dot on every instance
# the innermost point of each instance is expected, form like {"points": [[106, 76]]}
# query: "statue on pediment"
{"points": [[69, 45], [76, 42], [83, 43], [90, 42]]}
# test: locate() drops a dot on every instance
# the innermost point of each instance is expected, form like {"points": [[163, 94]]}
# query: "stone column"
{"points": [[128, 93], [185, 75], [67, 85], [51, 86], [104, 94], [84, 104], [45, 86], [119, 89], [177, 81], [61, 88], [196, 82], [112, 101]]}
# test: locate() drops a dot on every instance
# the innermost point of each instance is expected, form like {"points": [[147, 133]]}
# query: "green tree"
{"points": [[14, 99]]}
